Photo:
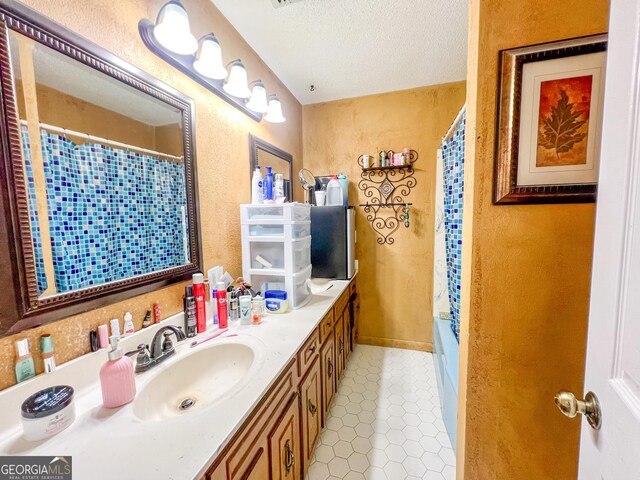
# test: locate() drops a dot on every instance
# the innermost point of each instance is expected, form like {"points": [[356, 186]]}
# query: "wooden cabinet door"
{"points": [[339, 339], [310, 406], [253, 466], [347, 333], [284, 445], [356, 320], [327, 374]]}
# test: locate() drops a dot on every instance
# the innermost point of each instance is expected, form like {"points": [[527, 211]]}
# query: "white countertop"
{"points": [[118, 444]]}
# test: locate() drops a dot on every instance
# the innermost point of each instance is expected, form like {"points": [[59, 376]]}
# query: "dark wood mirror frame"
{"points": [[256, 144], [20, 307]]}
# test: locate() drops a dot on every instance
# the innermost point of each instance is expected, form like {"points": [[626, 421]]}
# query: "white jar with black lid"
{"points": [[48, 412]]}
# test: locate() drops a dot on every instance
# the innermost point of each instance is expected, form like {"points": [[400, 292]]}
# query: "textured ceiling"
{"points": [[350, 48]]}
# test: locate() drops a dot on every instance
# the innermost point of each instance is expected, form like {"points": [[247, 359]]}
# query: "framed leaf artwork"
{"points": [[550, 101]]}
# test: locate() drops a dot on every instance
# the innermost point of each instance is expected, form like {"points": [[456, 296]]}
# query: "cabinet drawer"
{"points": [[310, 410], [326, 326], [246, 456], [341, 304], [308, 353]]}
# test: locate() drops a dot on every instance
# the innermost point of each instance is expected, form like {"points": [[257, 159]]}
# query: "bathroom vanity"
{"points": [[278, 438], [260, 394]]}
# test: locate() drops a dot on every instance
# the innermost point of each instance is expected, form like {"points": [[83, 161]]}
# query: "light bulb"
{"points": [[208, 61], [274, 115], [258, 101], [172, 29], [236, 85]]}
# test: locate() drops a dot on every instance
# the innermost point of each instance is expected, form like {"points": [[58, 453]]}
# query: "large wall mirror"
{"points": [[267, 155], [99, 186]]}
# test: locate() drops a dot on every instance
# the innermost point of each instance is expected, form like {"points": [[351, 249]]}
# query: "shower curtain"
{"points": [[453, 180], [113, 213]]}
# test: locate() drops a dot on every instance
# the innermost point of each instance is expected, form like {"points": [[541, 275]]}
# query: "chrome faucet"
{"points": [[161, 348]]}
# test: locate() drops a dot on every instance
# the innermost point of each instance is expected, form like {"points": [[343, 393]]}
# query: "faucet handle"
{"points": [[167, 344], [143, 359]]}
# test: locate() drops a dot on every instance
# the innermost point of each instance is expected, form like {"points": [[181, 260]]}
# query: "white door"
{"points": [[613, 352]]}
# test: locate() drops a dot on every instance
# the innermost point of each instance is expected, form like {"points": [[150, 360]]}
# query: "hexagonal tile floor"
{"points": [[385, 422]]}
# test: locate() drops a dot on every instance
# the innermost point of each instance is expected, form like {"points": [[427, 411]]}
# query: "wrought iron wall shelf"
{"points": [[387, 188]]}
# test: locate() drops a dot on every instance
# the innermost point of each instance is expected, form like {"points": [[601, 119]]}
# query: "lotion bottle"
{"points": [[257, 196], [117, 379], [268, 185], [25, 369], [128, 324]]}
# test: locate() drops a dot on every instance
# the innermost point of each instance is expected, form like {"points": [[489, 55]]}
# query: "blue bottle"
{"points": [[342, 179], [268, 185]]}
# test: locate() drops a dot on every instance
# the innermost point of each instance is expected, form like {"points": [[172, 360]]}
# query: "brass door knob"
{"points": [[570, 406]]}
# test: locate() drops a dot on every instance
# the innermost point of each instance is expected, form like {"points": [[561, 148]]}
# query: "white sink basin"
{"points": [[195, 381]]}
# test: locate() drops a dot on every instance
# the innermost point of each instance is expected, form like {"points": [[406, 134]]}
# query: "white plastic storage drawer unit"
{"points": [[272, 213], [296, 286], [286, 257], [276, 249]]}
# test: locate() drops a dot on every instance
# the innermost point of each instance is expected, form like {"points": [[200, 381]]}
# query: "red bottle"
{"points": [[221, 305], [198, 293]]}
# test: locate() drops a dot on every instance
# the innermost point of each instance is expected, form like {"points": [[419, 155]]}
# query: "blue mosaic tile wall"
{"points": [[113, 213], [453, 172]]}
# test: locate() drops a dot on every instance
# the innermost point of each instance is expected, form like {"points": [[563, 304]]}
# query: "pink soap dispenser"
{"points": [[117, 378]]}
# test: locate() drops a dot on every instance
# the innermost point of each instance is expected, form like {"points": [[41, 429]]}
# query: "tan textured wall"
{"points": [[222, 149], [395, 281], [526, 275]]}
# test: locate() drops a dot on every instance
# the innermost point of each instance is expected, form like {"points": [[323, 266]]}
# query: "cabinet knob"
{"points": [[312, 349], [330, 365]]}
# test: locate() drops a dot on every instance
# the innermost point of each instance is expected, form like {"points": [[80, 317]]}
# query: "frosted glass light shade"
{"points": [[209, 58], [172, 29], [258, 101], [274, 115], [236, 85]]}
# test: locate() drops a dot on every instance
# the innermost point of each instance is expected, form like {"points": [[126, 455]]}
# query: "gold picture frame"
{"points": [[550, 101]]}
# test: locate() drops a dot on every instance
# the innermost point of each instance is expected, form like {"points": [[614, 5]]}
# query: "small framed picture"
{"points": [[550, 102]]}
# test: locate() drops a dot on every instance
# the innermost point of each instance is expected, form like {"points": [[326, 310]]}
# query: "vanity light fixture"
{"points": [[172, 29], [236, 85], [170, 39], [274, 115], [209, 58], [258, 100]]}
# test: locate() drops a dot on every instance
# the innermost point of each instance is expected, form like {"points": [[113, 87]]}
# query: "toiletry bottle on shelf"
{"points": [[334, 191], [25, 369], [156, 313], [257, 196], [208, 304], [115, 327], [376, 159], [344, 184], [117, 378], [48, 358], [103, 336], [268, 185], [190, 323], [146, 322], [198, 293], [128, 324], [278, 187], [221, 301]]}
